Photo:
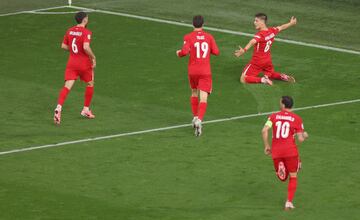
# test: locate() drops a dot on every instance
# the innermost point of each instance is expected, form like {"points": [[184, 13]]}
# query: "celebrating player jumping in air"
{"points": [[261, 59], [199, 45], [286, 125], [81, 64]]}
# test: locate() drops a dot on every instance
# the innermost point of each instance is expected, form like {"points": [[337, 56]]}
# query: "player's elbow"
{"points": [[64, 46], [86, 47], [264, 131], [301, 139]]}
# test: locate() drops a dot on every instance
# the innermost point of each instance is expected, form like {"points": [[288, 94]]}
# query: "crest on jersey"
{"points": [[89, 36]]}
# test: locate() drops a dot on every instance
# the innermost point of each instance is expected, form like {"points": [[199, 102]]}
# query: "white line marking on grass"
{"points": [[32, 11], [167, 128], [216, 29], [181, 24]]}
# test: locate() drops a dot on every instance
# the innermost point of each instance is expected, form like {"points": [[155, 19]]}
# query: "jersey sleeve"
{"points": [[299, 126], [275, 30], [269, 121], [87, 37], [257, 37], [214, 47], [186, 47], [66, 39]]}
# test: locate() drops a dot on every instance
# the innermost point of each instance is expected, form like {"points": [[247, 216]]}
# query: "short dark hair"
{"points": [[198, 21], [79, 17], [287, 101], [262, 16]]}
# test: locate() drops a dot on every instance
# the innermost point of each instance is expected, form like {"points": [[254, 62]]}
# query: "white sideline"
{"points": [[167, 128], [184, 24], [32, 11], [216, 29]]}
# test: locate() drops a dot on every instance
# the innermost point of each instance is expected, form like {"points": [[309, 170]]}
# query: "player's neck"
{"points": [[286, 110], [198, 29], [81, 25], [263, 28]]}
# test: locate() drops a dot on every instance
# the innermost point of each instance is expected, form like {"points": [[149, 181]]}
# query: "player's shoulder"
{"points": [[259, 34], [274, 30], [87, 30], [273, 115]]}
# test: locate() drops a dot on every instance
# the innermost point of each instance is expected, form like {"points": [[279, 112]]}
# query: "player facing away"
{"points": [[199, 45], [285, 126], [261, 58], [81, 64]]}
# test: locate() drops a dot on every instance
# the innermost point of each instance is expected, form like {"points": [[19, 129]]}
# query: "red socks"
{"points": [[62, 95], [292, 188], [194, 105], [89, 91], [202, 110], [252, 79]]}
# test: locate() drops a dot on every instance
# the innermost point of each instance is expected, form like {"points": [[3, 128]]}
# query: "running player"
{"points": [[199, 45], [286, 125], [81, 64], [261, 59]]}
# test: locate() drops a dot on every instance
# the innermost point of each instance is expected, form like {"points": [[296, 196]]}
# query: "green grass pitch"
{"points": [[141, 84]]}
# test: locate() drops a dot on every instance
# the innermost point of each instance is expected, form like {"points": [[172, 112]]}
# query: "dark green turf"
{"points": [[141, 84], [329, 22]]}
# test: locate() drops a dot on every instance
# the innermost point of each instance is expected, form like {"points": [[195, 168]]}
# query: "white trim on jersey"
{"points": [[244, 73]]}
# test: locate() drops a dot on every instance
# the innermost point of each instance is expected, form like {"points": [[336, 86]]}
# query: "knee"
{"points": [[90, 84], [293, 174], [69, 84], [242, 80]]}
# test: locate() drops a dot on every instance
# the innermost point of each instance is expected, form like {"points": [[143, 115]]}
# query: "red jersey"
{"points": [[285, 125], [262, 49], [75, 38], [199, 45]]}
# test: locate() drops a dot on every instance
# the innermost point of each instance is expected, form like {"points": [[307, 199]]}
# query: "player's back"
{"points": [[75, 38], [201, 45], [285, 125], [262, 49]]}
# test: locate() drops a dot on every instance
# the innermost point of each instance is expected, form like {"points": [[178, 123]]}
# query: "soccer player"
{"points": [[199, 45], [81, 64], [261, 59], [286, 125]]}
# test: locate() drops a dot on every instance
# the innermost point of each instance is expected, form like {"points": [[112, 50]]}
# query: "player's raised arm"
{"points": [[291, 23], [241, 50], [265, 137]]}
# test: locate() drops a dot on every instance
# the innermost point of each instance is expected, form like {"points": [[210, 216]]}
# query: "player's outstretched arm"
{"points": [[64, 46], [241, 50], [291, 23], [265, 137], [90, 53]]}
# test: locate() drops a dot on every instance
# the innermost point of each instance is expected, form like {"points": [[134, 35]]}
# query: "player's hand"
{"points": [[267, 150], [93, 61], [293, 20], [239, 52], [305, 134], [178, 53]]}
